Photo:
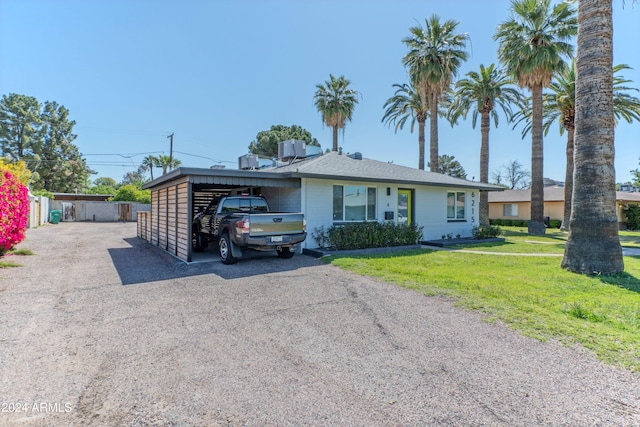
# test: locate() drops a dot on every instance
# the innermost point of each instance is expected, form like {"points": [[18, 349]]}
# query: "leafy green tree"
{"points": [[136, 178], [266, 142], [42, 136], [105, 181], [127, 193], [19, 126], [532, 45], [61, 167], [482, 92], [593, 245], [448, 165], [434, 57], [335, 101], [102, 189]]}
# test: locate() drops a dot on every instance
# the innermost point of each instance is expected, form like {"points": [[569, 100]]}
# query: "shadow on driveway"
{"points": [[144, 263]]}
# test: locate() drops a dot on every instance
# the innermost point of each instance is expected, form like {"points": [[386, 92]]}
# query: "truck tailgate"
{"points": [[276, 224]]}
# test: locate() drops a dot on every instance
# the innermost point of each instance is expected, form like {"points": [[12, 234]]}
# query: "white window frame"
{"points": [[456, 214], [369, 215]]}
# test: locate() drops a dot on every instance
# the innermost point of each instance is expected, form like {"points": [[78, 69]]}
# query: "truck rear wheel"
{"points": [[285, 252], [225, 250], [196, 241]]}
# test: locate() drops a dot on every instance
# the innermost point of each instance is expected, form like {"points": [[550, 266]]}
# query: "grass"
{"points": [[533, 295], [19, 252]]}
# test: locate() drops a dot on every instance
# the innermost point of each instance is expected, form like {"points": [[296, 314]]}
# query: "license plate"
{"points": [[276, 239]]}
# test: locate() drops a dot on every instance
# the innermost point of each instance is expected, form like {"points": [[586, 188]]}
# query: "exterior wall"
{"points": [[38, 211], [429, 207], [167, 225], [84, 210], [554, 210]]}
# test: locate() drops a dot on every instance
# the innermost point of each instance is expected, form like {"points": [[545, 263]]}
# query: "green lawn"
{"points": [[531, 294], [518, 241]]}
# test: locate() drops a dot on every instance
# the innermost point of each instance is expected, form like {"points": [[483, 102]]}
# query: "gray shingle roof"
{"points": [[336, 166]]}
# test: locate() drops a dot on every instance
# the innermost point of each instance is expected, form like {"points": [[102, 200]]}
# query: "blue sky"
{"points": [[216, 73]]}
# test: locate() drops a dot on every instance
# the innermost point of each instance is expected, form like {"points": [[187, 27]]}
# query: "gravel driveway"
{"points": [[99, 328]]}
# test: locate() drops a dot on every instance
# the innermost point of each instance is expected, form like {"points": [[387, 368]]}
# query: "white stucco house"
{"points": [[329, 188]]}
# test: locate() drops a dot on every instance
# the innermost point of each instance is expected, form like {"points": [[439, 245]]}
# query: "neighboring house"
{"points": [[516, 204], [330, 189]]}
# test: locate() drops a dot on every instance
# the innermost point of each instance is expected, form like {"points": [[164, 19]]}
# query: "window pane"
{"points": [[460, 206], [371, 203], [337, 203], [355, 203], [231, 205], [451, 205]]}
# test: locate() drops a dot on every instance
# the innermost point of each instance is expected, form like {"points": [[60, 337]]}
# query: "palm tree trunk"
{"points": [[483, 210], [568, 181], [421, 143], [593, 246], [335, 138], [536, 223], [433, 133]]}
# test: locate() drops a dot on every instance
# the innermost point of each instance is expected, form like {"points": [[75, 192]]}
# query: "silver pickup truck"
{"points": [[244, 222]]}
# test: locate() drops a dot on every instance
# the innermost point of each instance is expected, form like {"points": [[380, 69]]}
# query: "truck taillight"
{"points": [[243, 226]]}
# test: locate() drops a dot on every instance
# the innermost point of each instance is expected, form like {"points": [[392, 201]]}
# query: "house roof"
{"points": [[351, 168], [551, 194], [327, 166]]}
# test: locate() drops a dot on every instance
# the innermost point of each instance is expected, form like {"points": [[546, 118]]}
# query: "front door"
{"points": [[405, 207]]}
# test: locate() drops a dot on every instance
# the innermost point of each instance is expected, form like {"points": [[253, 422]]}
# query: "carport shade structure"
{"points": [[176, 195]]}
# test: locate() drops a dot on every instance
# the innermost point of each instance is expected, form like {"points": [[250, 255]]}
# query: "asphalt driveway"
{"points": [[100, 328]]}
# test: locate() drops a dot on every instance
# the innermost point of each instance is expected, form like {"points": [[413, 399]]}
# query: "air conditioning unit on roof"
{"points": [[292, 148], [248, 161]]}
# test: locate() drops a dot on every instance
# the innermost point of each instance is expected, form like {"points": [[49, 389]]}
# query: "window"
{"points": [[354, 203], [456, 205], [510, 209]]}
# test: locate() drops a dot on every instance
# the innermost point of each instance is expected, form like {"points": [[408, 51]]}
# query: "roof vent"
{"points": [[356, 156]]}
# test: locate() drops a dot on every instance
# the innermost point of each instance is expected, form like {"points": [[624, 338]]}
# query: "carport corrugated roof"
{"points": [[230, 177]]}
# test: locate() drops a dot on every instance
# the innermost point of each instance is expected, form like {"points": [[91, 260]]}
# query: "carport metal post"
{"points": [[189, 218]]}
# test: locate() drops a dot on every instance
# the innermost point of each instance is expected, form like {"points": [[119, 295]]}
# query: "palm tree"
{"points": [[532, 45], [336, 102], [434, 57], [593, 245], [482, 92], [406, 104], [149, 162], [559, 105], [166, 163]]}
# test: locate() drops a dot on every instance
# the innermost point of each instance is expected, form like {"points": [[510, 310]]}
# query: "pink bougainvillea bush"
{"points": [[14, 211]]}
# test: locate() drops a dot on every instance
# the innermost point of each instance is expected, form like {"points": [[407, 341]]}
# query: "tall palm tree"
{"points": [[593, 245], [532, 45], [406, 104], [167, 163], [560, 106], [149, 162], [336, 102], [482, 92], [434, 57]]}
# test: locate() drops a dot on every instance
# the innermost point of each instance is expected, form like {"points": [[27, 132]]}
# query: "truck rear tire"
{"points": [[225, 250], [196, 240], [285, 252]]}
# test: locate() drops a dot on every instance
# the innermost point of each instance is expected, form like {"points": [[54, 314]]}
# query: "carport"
{"points": [[176, 197]]}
